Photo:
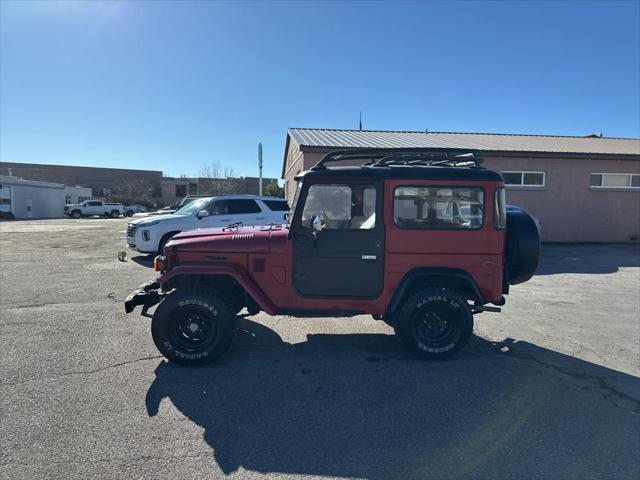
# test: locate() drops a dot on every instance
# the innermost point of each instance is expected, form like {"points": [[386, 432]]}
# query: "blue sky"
{"points": [[174, 85]]}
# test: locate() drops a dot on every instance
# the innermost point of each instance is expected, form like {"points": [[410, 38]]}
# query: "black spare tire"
{"points": [[523, 245]]}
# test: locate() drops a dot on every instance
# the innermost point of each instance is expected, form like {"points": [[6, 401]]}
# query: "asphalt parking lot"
{"points": [[547, 389]]}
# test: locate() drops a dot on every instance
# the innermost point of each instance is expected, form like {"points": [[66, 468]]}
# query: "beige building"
{"points": [[583, 189]]}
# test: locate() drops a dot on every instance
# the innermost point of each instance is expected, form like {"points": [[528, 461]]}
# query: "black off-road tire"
{"points": [[174, 323], [76, 214], [164, 240], [115, 213], [434, 323]]}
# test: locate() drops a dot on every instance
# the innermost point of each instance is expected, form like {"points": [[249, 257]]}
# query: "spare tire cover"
{"points": [[523, 245]]}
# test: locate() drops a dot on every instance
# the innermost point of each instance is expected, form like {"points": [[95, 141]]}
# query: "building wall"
{"points": [[93, 177], [77, 194], [45, 201], [568, 209]]}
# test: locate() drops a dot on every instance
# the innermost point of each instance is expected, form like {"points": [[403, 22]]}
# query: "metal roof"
{"points": [[485, 142]]}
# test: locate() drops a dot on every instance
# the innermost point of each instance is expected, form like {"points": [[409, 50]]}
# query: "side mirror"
{"points": [[201, 214], [316, 224]]}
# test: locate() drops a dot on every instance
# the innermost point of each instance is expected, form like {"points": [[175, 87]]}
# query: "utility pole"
{"points": [[260, 168]]}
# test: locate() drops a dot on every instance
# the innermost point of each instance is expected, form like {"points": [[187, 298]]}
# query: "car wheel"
{"points": [[115, 213], [192, 327], [75, 214], [434, 323], [164, 240]]}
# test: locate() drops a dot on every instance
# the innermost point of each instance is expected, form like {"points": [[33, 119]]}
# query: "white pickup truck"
{"points": [[89, 208], [150, 234]]}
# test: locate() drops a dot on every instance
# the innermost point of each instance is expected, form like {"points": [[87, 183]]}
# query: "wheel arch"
{"points": [[454, 278], [227, 276]]}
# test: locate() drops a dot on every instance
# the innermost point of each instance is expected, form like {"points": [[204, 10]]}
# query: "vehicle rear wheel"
{"points": [[75, 214], [434, 323], [115, 213], [192, 327]]}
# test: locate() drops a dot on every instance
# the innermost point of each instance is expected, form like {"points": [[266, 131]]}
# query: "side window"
{"points": [[438, 208], [238, 207], [277, 205], [499, 210], [219, 207], [341, 206]]}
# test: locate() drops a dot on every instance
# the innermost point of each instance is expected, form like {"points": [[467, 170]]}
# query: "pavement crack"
{"points": [[83, 372]]}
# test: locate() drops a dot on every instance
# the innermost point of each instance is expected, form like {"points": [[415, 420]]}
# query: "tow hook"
{"points": [[485, 308], [146, 295]]}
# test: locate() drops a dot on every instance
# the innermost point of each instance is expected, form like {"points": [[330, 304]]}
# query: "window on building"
{"points": [[5, 201], [193, 188], [614, 180], [341, 206], [181, 190], [438, 208], [67, 200], [522, 178]]}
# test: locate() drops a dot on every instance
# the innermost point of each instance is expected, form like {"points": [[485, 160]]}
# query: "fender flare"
{"points": [[233, 271], [414, 276]]}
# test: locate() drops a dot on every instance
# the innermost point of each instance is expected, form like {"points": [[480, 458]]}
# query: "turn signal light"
{"points": [[160, 263]]}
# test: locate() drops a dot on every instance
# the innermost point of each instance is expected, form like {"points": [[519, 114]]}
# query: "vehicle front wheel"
{"points": [[75, 214], [164, 240], [115, 213], [434, 323], [192, 327]]}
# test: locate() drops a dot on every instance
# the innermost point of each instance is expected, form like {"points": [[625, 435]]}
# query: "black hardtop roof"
{"points": [[405, 172]]}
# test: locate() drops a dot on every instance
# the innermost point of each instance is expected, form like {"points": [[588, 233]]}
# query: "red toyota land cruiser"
{"points": [[417, 238]]}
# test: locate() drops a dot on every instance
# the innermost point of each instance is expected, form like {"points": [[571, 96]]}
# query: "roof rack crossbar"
{"points": [[382, 157]]}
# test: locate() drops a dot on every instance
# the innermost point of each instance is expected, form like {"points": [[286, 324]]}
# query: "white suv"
{"points": [[150, 234]]}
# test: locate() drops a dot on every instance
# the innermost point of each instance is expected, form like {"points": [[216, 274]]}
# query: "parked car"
{"points": [[131, 210], [90, 208], [356, 244], [149, 235], [177, 206]]}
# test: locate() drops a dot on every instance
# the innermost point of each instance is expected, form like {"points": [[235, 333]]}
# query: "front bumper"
{"points": [[146, 295]]}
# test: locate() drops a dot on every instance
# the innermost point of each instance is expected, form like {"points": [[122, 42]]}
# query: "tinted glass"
{"points": [[237, 207], [635, 181], [219, 207], [277, 205], [340, 206], [437, 208], [595, 180], [512, 178], [533, 178]]}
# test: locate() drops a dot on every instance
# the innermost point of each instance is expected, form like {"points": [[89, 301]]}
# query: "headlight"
{"points": [[146, 235]]}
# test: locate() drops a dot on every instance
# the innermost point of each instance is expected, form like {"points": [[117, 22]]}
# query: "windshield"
{"points": [[294, 203], [193, 207]]}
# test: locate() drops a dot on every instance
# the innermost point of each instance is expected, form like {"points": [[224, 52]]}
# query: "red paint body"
{"points": [[261, 259]]}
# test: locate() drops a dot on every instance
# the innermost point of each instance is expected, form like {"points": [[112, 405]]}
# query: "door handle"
{"points": [[259, 218], [369, 257]]}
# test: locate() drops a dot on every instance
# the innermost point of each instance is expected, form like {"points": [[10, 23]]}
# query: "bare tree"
{"points": [[130, 191], [217, 178], [274, 190]]}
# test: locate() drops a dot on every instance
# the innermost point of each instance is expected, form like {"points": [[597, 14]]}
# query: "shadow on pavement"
{"points": [[359, 406], [144, 260], [587, 258]]}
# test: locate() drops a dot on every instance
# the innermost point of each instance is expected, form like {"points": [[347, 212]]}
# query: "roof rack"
{"points": [[384, 157]]}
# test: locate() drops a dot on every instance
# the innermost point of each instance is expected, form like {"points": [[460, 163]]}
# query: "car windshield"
{"points": [[193, 207]]}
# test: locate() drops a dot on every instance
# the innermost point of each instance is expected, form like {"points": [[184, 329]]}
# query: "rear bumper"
{"points": [[146, 295]]}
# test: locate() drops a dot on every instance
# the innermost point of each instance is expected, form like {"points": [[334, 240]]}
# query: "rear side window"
{"points": [[500, 214], [438, 208], [237, 207], [277, 205]]}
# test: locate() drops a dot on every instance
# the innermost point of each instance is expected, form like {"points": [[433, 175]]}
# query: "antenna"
{"points": [[360, 121], [260, 169]]}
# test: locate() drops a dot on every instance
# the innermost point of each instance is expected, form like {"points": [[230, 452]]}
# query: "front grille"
{"points": [[131, 230]]}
